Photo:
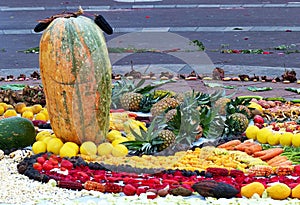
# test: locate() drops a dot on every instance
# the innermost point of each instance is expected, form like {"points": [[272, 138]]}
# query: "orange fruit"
{"points": [[19, 106], [37, 108]]}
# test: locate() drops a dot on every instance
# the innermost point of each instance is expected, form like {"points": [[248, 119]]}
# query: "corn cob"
{"points": [[236, 173], [284, 170], [215, 171], [113, 188], [260, 170], [70, 185], [95, 186]]}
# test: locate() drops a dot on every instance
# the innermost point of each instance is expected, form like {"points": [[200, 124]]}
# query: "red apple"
{"points": [[258, 119]]}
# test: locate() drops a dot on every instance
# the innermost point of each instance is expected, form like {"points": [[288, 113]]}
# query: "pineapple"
{"points": [[162, 105], [239, 105], [237, 123], [133, 97], [154, 140], [220, 104], [131, 101], [170, 115]]}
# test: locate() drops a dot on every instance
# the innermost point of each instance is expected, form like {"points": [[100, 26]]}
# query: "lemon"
{"points": [[67, 150], [88, 148], [113, 134], [41, 135], [286, 139], [263, 134], [41, 116], [2, 110], [274, 139], [73, 145], [253, 188], [39, 147], [45, 112], [119, 140], [19, 106], [4, 105], [251, 132], [119, 150], [10, 113], [9, 106], [26, 109], [279, 191], [46, 139], [36, 108], [54, 145], [296, 140], [28, 115], [105, 149]]}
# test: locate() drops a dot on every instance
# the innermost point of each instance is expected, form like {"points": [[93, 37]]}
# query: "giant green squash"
{"points": [[76, 75]]}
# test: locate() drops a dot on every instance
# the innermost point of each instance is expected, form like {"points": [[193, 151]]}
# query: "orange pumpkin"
{"points": [[76, 75]]}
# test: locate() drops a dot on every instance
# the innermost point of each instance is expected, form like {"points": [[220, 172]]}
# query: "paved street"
{"points": [[219, 26]]}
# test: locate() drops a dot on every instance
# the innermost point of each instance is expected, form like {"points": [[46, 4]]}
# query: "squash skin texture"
{"points": [[76, 75], [16, 132]]}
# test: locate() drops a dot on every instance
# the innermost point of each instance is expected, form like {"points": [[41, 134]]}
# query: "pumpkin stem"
{"points": [[79, 12]]}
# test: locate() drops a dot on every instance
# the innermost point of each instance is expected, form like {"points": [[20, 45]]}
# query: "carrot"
{"points": [[253, 148], [286, 163], [271, 153], [277, 159], [260, 153], [229, 144], [243, 146]]}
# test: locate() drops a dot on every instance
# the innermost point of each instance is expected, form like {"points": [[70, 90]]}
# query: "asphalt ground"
{"points": [[218, 25]]}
